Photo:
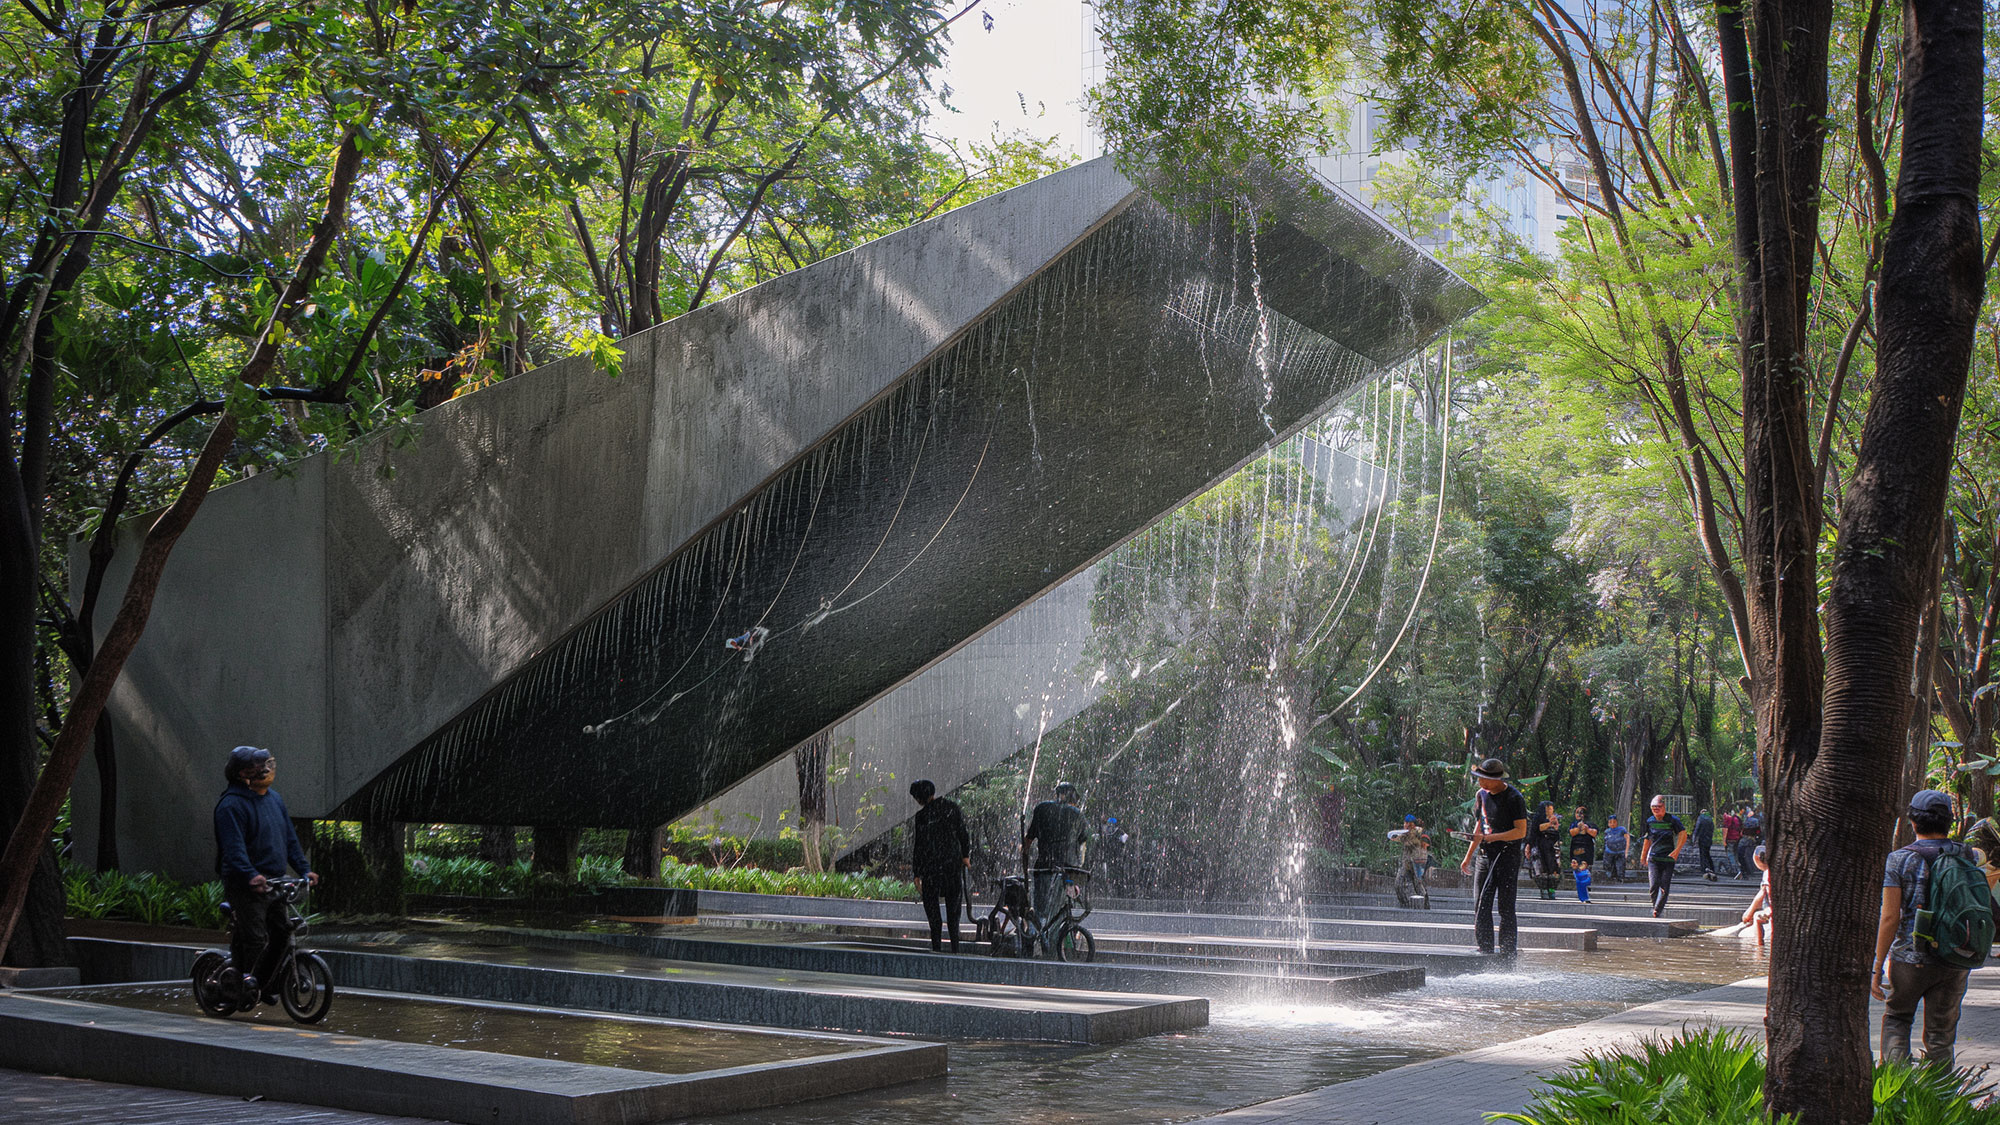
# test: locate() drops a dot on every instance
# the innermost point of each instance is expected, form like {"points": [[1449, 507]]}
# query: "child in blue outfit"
{"points": [[1582, 871]]}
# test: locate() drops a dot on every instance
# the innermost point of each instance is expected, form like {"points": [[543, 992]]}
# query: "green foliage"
{"points": [[144, 897], [460, 875], [1713, 1076]]}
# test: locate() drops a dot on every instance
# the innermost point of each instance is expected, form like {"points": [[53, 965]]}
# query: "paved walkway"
{"points": [[1459, 1089]]}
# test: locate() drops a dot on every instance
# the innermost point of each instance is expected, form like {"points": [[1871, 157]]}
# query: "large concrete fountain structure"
{"points": [[862, 465]]}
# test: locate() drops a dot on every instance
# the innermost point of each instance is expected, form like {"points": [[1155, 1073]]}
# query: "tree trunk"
{"points": [[496, 845], [1838, 796], [809, 760], [107, 799], [555, 852], [642, 852], [39, 939]]}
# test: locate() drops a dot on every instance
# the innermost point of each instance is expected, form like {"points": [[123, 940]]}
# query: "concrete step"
{"points": [[608, 981], [80, 1039], [1111, 923]]}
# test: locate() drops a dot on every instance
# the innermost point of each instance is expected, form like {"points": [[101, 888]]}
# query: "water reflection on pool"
{"points": [[1253, 1052]]}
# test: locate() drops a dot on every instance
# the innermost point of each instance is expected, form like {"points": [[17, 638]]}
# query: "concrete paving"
{"points": [[934, 1009], [1461, 1089], [189, 1052]]}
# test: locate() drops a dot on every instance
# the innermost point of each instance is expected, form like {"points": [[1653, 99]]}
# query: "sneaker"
{"points": [[249, 994]]}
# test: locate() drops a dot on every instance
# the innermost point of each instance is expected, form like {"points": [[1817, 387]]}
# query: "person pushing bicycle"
{"points": [[254, 843]]}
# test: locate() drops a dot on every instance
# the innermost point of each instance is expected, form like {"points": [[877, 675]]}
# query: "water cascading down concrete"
{"points": [[853, 470]]}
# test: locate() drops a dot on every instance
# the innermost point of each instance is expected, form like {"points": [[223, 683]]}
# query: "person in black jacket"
{"points": [[254, 842], [943, 851]]}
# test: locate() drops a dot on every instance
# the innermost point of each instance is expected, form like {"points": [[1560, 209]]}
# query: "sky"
{"points": [[1024, 73]]}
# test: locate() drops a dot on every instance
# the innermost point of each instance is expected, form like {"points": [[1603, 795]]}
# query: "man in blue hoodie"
{"points": [[254, 843]]}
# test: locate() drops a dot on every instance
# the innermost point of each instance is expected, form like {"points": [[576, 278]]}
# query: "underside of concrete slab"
{"points": [[850, 471]]}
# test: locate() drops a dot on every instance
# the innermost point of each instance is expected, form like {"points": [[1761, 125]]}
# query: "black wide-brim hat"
{"points": [[1493, 769]]}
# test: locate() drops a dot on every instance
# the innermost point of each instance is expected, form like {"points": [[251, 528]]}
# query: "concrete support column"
{"points": [[555, 852]]}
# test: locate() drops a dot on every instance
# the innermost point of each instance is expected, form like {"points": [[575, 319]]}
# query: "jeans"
{"points": [[1616, 862], [1659, 880], [1707, 861], [1940, 987], [1048, 885], [942, 885], [1497, 877], [256, 932]]}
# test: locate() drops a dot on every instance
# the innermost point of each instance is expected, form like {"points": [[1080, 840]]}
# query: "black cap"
{"points": [[1492, 769], [245, 759]]}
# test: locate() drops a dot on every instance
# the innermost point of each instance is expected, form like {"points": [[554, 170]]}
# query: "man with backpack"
{"points": [[1936, 926]]}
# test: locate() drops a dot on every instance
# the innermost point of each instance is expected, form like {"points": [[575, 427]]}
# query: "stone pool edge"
{"points": [[77, 1038]]}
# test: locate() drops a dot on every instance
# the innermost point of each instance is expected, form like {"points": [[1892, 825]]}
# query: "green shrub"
{"points": [[144, 897], [1716, 1077]]}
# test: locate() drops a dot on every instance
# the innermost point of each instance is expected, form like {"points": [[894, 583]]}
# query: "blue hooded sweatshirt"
{"points": [[253, 835]]}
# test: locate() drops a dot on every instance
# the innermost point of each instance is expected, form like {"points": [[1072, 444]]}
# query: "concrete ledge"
{"points": [[1316, 983], [715, 994], [39, 978], [633, 902], [84, 1040], [1116, 924]]}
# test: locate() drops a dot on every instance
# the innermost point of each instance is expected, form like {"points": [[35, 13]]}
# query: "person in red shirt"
{"points": [[1732, 831]]}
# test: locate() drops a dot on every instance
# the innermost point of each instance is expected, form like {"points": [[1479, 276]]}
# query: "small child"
{"points": [[1758, 915], [1582, 879]]}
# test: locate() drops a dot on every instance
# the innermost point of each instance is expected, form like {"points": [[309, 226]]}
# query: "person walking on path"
{"points": [[1905, 974], [1704, 839], [1665, 837], [942, 852], [1753, 834], [1498, 832], [1059, 833], [1732, 831], [1617, 840], [1543, 835]]}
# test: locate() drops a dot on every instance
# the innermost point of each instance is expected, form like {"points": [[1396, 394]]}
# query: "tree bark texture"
{"points": [[809, 762], [1838, 804], [555, 852], [642, 851]]}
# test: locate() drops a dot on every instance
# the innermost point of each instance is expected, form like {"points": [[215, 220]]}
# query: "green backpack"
{"points": [[1955, 919]]}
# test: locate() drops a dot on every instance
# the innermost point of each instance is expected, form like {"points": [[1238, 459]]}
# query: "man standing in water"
{"points": [[1496, 843], [943, 850], [1058, 830]]}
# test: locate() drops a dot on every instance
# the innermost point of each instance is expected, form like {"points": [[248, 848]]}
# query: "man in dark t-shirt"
{"points": [[1665, 837], [1496, 843], [1582, 839], [1059, 833]]}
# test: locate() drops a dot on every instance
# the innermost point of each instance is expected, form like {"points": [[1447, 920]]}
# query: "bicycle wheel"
{"points": [[209, 991], [307, 993], [1075, 944]]}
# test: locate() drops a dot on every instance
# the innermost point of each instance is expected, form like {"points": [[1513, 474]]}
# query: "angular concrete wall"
{"points": [[876, 458]]}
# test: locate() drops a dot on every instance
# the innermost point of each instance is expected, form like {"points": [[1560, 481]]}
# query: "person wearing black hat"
{"points": [[943, 850], [1904, 974], [1496, 843], [254, 842]]}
